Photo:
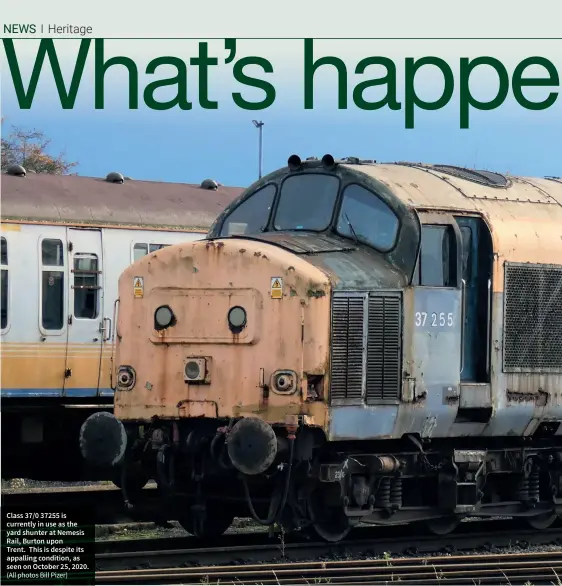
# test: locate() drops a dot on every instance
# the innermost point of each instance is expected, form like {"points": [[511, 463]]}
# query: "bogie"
{"points": [[332, 491]]}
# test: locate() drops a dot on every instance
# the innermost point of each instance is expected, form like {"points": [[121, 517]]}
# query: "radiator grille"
{"points": [[533, 318], [383, 349], [347, 348], [366, 348]]}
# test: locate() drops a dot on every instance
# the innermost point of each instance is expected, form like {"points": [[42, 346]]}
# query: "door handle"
{"points": [[489, 327], [463, 312], [106, 330]]}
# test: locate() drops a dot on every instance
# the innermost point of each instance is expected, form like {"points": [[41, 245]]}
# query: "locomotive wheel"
{"points": [[212, 521], [443, 525], [329, 521], [542, 521]]}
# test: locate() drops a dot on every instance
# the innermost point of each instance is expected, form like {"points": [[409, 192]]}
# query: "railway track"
{"points": [[179, 560], [514, 569], [365, 542]]}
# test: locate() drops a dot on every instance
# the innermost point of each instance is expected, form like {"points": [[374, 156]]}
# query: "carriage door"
{"points": [[85, 319], [477, 294]]}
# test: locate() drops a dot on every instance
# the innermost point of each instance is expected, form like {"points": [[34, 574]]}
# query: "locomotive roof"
{"points": [[524, 213], [447, 187], [96, 201]]}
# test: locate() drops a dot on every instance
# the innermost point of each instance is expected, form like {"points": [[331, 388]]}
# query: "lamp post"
{"points": [[259, 126]]}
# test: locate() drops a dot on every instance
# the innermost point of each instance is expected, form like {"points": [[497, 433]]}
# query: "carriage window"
{"points": [[306, 202], [52, 285], [366, 217], [86, 287], [435, 267], [141, 249], [252, 215], [51, 252], [4, 285], [155, 247]]}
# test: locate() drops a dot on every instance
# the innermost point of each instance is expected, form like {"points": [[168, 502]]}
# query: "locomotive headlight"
{"points": [[284, 382], [237, 319], [163, 317], [126, 378], [194, 370]]}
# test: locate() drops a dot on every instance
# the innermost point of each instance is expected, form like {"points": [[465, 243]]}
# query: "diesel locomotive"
{"points": [[352, 342]]}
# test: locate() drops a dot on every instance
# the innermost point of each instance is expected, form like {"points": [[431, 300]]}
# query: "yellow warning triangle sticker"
{"points": [[276, 284]]}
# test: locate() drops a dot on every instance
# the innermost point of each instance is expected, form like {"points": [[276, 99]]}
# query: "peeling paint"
{"points": [[429, 426]]}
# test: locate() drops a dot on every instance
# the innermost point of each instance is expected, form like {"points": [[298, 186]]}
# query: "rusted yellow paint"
{"points": [[201, 281], [525, 219]]}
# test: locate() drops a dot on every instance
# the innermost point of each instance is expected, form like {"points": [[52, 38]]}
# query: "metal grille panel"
{"points": [[348, 314], [366, 348], [533, 318], [384, 341]]}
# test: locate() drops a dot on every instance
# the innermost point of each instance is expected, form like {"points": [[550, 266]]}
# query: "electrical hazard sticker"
{"points": [[276, 288], [138, 287]]}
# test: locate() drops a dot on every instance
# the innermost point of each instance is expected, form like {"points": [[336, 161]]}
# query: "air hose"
{"points": [[273, 516]]}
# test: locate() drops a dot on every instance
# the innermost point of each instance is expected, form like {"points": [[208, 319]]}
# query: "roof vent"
{"points": [[209, 184], [16, 170], [114, 177]]}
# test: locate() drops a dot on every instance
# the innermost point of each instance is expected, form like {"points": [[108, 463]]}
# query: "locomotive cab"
{"points": [[291, 365]]}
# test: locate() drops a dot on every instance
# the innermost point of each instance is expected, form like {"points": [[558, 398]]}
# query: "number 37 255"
{"points": [[434, 319]]}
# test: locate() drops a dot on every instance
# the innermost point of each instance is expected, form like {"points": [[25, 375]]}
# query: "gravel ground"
{"points": [[150, 531], [26, 483], [116, 532]]}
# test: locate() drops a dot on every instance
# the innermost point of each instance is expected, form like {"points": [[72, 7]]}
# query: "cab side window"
{"points": [[252, 215], [436, 266], [4, 285]]}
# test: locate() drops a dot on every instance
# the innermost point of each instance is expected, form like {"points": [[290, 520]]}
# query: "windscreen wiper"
{"points": [[351, 228]]}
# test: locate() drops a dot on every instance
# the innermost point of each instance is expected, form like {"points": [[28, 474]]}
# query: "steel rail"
{"points": [[366, 542], [514, 568]]}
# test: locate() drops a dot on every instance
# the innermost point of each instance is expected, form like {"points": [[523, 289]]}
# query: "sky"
{"points": [[189, 146]]}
